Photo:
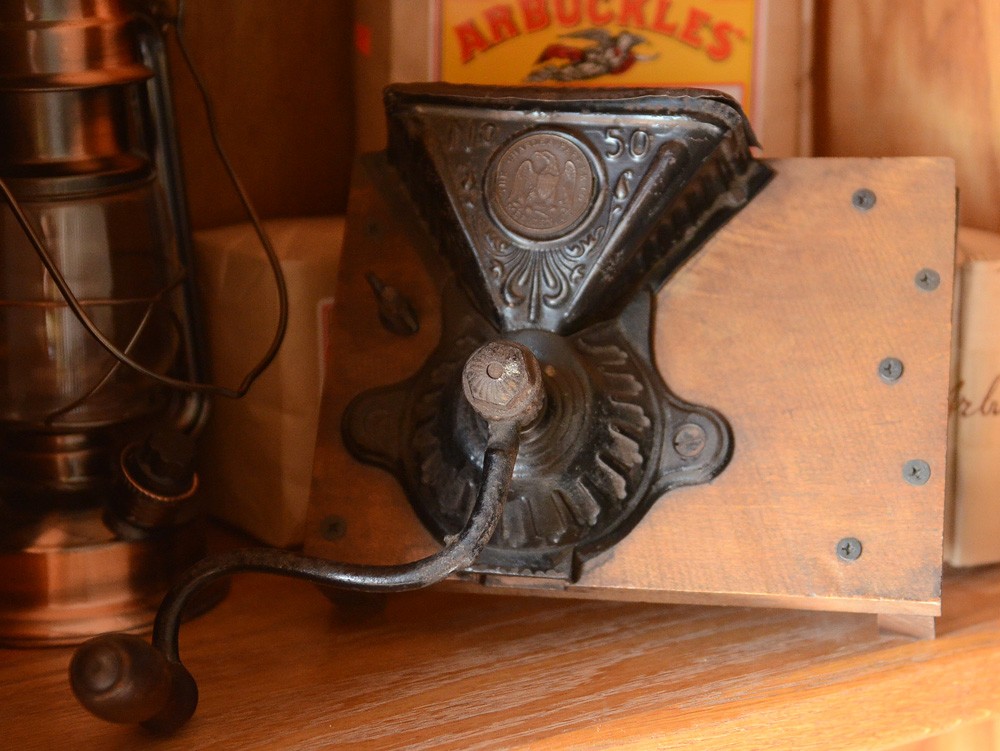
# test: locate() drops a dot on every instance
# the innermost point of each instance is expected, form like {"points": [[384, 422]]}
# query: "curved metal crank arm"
{"points": [[122, 678]]}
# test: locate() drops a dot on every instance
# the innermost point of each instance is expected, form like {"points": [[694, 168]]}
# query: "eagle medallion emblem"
{"points": [[543, 186]]}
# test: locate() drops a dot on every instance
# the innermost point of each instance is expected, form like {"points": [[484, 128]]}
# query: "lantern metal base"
{"points": [[75, 578]]}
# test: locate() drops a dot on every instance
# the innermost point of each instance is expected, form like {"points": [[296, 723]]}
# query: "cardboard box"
{"points": [[973, 528], [759, 51]]}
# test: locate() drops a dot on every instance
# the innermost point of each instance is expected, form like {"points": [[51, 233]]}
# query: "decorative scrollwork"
{"points": [[586, 471], [530, 277]]}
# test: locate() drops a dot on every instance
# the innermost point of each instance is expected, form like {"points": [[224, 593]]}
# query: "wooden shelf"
{"points": [[279, 668]]}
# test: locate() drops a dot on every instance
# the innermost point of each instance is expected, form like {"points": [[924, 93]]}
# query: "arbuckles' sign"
{"points": [[705, 43]]}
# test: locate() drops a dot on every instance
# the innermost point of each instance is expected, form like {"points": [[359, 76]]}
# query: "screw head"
{"points": [[890, 369], [927, 279], [690, 440], [332, 528], [849, 549], [863, 199], [503, 381], [917, 472]]}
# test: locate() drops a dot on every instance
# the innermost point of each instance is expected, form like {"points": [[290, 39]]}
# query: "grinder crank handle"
{"points": [[122, 678]]}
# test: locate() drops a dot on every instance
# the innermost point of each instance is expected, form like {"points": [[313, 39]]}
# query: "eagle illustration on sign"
{"points": [[609, 54]]}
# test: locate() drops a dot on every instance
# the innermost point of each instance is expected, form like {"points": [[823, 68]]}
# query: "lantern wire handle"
{"points": [[136, 335], [77, 308]]}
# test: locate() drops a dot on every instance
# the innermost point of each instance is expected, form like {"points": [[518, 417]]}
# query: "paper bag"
{"points": [[256, 453]]}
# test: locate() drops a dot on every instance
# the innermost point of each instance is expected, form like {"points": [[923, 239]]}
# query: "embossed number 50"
{"points": [[635, 144]]}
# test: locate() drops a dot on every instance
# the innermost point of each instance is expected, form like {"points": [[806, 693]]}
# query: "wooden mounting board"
{"points": [[780, 323]]}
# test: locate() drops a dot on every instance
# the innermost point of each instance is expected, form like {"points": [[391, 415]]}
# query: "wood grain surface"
{"points": [[278, 668], [780, 323], [919, 78], [279, 77]]}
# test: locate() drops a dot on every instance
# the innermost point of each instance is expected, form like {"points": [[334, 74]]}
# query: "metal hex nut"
{"points": [[503, 381]]}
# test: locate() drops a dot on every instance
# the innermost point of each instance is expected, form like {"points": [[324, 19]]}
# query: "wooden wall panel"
{"points": [[920, 77], [280, 77]]}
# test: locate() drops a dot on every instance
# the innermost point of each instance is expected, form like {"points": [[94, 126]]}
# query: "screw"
{"points": [[916, 472], [927, 279], [863, 199], [890, 369], [690, 440], [849, 549], [332, 528]]}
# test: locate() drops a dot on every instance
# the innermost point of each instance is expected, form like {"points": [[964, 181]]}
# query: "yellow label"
{"points": [[702, 43]]}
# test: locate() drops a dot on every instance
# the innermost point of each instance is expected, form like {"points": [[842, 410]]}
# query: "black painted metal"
{"points": [[588, 469], [560, 212], [553, 205], [121, 678]]}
